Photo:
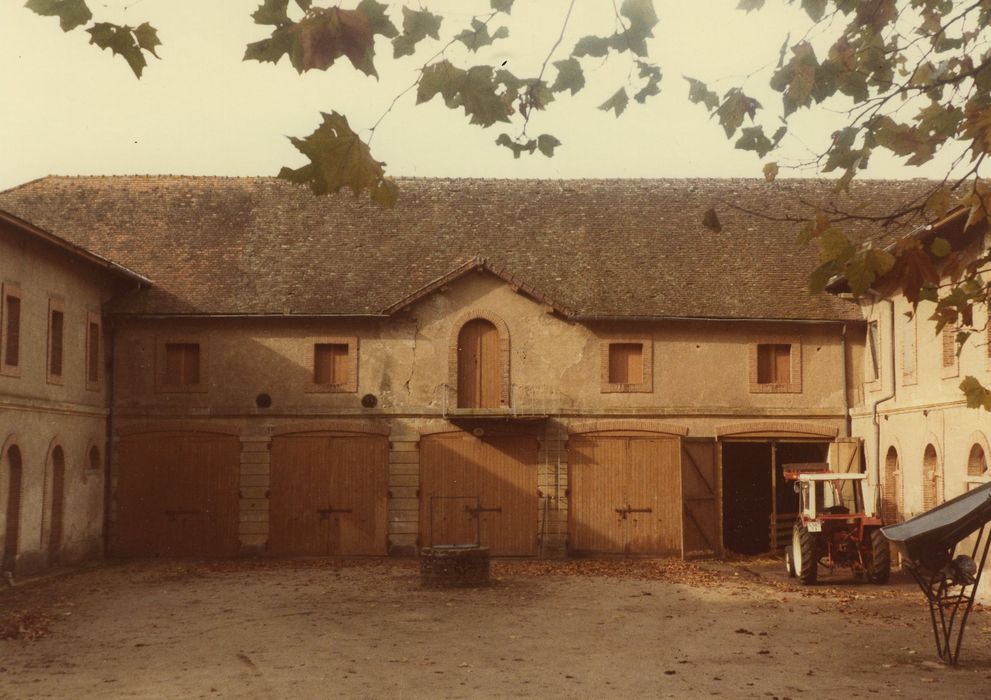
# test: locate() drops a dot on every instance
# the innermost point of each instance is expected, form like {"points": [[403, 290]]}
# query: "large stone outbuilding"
{"points": [[542, 367]]}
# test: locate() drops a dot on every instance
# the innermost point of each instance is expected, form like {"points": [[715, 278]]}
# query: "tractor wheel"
{"points": [[879, 566], [789, 562], [805, 554]]}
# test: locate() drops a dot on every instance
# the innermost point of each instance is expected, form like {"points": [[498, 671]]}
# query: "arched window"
{"points": [[11, 536], [977, 462], [891, 488], [932, 479], [56, 526], [479, 365]]}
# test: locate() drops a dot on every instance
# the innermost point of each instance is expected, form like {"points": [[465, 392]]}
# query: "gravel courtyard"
{"points": [[302, 629]]}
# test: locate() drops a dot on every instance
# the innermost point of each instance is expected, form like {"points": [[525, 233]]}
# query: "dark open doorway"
{"points": [[758, 504], [747, 497]]}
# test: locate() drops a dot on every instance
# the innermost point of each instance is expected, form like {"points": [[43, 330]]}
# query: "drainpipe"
{"points": [[108, 447], [887, 397], [846, 387]]}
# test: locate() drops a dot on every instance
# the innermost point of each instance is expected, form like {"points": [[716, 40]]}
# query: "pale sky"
{"points": [[71, 109]]}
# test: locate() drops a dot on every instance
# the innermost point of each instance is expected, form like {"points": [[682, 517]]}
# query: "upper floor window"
{"points": [[776, 366], [872, 362], [10, 330], [179, 366], [335, 365], [56, 330], [950, 366], [479, 365], [93, 333], [627, 365], [909, 349]]}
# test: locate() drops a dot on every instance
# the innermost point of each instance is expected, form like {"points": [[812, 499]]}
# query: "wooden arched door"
{"points": [[479, 371], [12, 531]]}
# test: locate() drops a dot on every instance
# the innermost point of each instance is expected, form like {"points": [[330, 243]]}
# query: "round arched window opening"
{"points": [[932, 478], [977, 461], [93, 458], [891, 488]]}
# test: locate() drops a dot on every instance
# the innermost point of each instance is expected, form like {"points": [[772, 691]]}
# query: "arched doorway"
{"points": [[12, 531], [479, 365], [56, 528], [932, 479], [891, 488]]}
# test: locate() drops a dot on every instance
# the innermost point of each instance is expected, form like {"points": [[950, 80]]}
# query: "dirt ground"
{"points": [[302, 629]]}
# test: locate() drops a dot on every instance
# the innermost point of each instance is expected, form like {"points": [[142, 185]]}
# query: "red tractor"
{"points": [[833, 528]]}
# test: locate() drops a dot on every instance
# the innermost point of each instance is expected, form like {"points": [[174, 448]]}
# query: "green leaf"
{"points": [[304, 5], [147, 37], [338, 159], [752, 138], [70, 13], [516, 147], [123, 41], [271, 49], [820, 277], [653, 85], [547, 143], [502, 5], [478, 36], [815, 9], [642, 19], [750, 5], [443, 78], [698, 92], [977, 395], [272, 12], [834, 246], [734, 108], [325, 35], [417, 26], [595, 46], [475, 90], [770, 171], [940, 247], [569, 76], [617, 102], [378, 20]]}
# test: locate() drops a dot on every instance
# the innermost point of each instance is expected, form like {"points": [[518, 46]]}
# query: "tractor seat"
{"points": [[836, 510]]}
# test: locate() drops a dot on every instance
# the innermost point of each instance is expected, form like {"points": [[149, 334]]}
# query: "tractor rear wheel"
{"points": [[879, 566], [805, 554]]}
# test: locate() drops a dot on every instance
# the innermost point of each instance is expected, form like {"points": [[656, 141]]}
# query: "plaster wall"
{"points": [[36, 414]]}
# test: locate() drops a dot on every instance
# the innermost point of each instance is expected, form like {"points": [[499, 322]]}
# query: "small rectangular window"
{"points": [[872, 363], [949, 345], [330, 364], [55, 330], [182, 364], [92, 352], [12, 330], [625, 363], [909, 349], [774, 364]]}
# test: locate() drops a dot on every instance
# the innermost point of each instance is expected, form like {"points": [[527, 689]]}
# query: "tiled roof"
{"points": [[597, 248]]}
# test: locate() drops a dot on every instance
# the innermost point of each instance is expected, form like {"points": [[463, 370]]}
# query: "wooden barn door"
{"points": [[479, 370], [177, 495], [329, 495], [700, 496], [625, 494], [479, 491]]}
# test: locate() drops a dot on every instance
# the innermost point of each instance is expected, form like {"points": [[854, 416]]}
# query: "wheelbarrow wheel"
{"points": [[879, 566], [805, 554]]}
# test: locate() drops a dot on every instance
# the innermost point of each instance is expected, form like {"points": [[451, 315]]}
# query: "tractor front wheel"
{"points": [[805, 554], [879, 566]]}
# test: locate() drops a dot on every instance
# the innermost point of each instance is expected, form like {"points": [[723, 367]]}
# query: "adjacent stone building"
{"points": [[542, 367]]}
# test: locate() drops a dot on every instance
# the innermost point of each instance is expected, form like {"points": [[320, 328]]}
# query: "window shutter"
{"points": [[782, 364], [55, 361], [93, 358], [12, 351], [626, 363], [191, 364]]}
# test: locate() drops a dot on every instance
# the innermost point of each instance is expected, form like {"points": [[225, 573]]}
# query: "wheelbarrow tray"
{"points": [[925, 536]]}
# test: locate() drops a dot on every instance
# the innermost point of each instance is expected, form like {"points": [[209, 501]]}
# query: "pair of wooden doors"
{"points": [[638, 493], [479, 490], [329, 495], [177, 495]]}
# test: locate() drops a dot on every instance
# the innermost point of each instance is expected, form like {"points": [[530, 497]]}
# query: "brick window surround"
{"points": [[793, 383], [55, 362], [94, 351], [194, 379], [619, 356], [323, 349], [452, 355], [11, 313], [950, 360]]}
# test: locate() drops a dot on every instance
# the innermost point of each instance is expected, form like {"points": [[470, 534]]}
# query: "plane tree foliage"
{"points": [[911, 78]]}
